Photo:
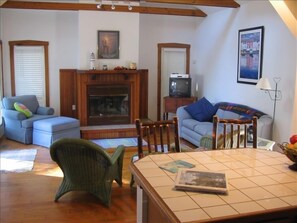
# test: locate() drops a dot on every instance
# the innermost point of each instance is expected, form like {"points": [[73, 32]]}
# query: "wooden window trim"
{"points": [[45, 44]]}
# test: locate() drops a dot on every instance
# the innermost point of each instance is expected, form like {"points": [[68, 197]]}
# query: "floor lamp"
{"points": [[274, 94]]}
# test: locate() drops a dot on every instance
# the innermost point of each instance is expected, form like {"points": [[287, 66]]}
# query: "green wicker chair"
{"points": [[87, 167]]}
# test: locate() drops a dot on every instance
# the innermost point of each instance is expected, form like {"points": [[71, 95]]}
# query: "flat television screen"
{"points": [[180, 87]]}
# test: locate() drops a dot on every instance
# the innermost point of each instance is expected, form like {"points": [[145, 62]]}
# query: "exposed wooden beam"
{"points": [[218, 3], [2, 2], [118, 8]]}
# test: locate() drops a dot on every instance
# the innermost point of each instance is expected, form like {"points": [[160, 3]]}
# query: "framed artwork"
{"points": [[250, 55], [108, 44]]}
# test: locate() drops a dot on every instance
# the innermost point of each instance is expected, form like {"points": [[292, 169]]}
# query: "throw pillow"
{"points": [[201, 110], [22, 108]]}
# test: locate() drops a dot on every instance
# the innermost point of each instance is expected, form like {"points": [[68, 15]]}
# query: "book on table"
{"points": [[205, 181], [175, 165]]}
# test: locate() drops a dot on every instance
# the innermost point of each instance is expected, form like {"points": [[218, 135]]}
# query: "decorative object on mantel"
{"points": [[92, 61], [132, 66], [120, 68], [108, 44], [250, 55], [263, 84]]}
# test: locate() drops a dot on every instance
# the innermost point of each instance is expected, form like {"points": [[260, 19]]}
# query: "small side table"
{"points": [[172, 103]]}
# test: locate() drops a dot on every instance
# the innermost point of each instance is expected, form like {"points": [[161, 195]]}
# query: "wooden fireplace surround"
{"points": [[74, 84]]}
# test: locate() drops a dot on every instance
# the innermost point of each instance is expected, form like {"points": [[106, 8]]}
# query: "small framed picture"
{"points": [[108, 44], [250, 55]]}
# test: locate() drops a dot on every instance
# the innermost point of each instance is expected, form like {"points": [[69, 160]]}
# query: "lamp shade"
{"points": [[263, 84]]}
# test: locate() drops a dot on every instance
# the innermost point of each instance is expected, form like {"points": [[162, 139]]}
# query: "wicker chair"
{"points": [[87, 167]]}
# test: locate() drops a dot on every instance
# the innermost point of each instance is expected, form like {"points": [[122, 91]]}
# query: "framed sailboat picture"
{"points": [[250, 55]]}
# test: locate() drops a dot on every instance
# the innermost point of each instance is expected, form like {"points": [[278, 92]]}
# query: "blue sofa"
{"points": [[193, 130], [16, 125]]}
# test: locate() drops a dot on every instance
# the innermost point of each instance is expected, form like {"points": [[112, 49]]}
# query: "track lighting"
{"points": [[113, 6], [99, 5], [130, 6]]}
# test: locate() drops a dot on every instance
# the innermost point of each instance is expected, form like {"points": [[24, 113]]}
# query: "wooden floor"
{"points": [[29, 197]]}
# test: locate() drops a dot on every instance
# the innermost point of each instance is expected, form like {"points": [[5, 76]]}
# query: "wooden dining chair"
{"points": [[235, 132], [157, 137]]}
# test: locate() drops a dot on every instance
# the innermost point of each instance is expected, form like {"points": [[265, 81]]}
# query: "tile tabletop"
{"points": [[258, 180]]}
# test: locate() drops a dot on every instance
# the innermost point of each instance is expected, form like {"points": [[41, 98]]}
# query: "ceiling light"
{"points": [[130, 6], [113, 6], [99, 5]]}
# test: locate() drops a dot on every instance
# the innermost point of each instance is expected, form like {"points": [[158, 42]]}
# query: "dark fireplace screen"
{"points": [[108, 105]]}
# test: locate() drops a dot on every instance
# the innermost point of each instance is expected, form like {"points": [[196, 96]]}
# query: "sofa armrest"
{"points": [[264, 127], [12, 114], [45, 111], [182, 114]]}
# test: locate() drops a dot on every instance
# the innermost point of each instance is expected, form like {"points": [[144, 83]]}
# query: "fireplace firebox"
{"points": [[108, 104]]}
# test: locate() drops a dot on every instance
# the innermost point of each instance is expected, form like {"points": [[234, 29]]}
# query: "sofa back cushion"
{"points": [[223, 114], [242, 110], [30, 101]]}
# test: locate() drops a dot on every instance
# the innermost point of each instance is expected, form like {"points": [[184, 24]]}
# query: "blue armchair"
{"points": [[17, 126]]}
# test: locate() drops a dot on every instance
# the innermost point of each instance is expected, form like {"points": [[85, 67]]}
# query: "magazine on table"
{"points": [[175, 165], [205, 181]]}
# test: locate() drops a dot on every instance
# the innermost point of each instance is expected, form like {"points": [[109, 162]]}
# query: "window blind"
{"points": [[29, 68]]}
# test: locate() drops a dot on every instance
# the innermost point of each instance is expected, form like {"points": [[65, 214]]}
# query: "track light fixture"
{"points": [[130, 6], [99, 5], [113, 6]]}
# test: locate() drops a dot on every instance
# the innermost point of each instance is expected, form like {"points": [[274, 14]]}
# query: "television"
{"points": [[180, 87]]}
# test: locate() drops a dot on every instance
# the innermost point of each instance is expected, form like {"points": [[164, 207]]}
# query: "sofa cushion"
{"points": [[28, 123], [22, 108], [223, 114], [201, 110]]}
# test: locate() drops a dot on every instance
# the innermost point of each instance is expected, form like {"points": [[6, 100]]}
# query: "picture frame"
{"points": [[108, 44], [250, 55]]}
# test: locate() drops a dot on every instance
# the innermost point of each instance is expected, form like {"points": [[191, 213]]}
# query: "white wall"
{"points": [[59, 28], [156, 29], [217, 41], [126, 23]]}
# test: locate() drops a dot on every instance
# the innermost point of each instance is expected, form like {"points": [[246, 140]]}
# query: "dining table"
{"points": [[261, 188]]}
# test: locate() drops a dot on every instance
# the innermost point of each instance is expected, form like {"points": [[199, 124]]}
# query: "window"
{"points": [[29, 69]]}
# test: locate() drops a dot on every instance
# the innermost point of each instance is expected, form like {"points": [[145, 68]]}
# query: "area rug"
{"points": [[113, 143], [17, 161]]}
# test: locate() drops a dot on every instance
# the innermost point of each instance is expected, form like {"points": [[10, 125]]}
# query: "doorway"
{"points": [[172, 58]]}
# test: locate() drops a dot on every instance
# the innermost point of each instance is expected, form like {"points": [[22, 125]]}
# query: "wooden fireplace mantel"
{"points": [[74, 83]]}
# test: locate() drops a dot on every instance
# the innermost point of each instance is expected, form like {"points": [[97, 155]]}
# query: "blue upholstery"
{"points": [[192, 130], [201, 110], [17, 126], [47, 131]]}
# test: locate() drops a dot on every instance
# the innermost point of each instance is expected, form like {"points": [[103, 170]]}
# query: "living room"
{"points": [[72, 35]]}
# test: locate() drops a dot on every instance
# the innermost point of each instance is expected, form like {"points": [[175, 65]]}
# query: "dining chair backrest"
{"points": [[235, 131], [157, 136]]}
